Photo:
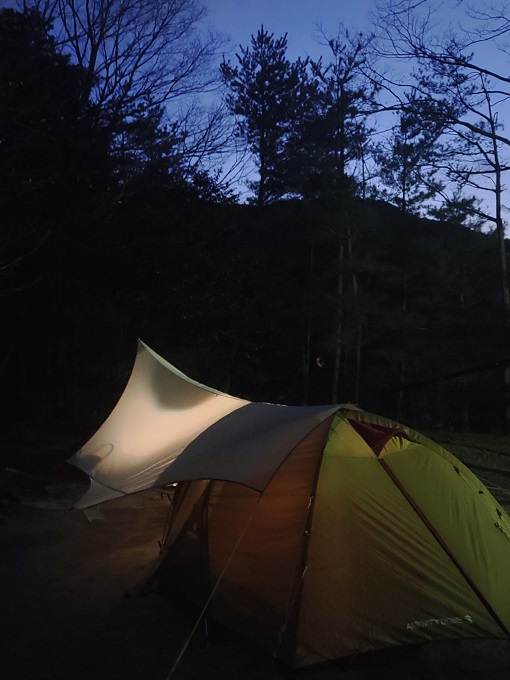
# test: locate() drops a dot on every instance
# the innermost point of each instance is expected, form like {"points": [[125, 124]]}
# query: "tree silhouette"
{"points": [[268, 94]]}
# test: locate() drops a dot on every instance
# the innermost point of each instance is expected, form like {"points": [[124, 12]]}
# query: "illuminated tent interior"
{"points": [[318, 532]]}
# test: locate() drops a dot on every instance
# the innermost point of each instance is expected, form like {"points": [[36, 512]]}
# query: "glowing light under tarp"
{"points": [[168, 428]]}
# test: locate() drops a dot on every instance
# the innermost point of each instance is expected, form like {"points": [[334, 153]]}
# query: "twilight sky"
{"points": [[300, 19], [239, 19]]}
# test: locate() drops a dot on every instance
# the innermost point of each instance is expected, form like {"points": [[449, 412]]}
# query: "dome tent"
{"points": [[318, 532]]}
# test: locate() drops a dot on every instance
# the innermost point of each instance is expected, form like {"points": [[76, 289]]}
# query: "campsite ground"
{"points": [[69, 586]]}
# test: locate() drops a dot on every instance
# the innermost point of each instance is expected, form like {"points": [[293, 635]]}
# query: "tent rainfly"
{"points": [[321, 532]]}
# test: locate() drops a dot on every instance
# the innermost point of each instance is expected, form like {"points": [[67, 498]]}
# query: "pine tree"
{"points": [[331, 139], [471, 95], [330, 144], [268, 94], [407, 166]]}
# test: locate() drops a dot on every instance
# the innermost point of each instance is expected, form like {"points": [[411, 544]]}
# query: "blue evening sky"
{"points": [[300, 19]]}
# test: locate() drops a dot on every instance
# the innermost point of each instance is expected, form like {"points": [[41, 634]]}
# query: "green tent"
{"points": [[318, 532]]}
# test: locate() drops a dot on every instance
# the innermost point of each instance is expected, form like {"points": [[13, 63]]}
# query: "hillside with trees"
{"points": [[363, 268]]}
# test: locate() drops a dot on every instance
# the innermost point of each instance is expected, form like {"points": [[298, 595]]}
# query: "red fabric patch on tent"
{"points": [[377, 436]]}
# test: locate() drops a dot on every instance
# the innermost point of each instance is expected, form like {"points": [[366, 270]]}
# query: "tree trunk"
{"points": [[506, 306], [307, 347], [339, 319], [355, 294], [403, 358], [505, 287]]}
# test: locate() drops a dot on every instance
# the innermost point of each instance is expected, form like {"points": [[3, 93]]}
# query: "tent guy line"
{"points": [[208, 601]]}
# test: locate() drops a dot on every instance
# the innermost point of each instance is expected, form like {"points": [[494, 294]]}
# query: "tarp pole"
{"points": [[213, 591]]}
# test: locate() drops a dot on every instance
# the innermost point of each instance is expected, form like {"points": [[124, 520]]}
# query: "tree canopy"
{"points": [[358, 271]]}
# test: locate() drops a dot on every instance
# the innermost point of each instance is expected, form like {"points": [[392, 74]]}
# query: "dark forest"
{"points": [[335, 282]]}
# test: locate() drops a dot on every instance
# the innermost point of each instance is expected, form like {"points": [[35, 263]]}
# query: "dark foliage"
{"points": [[99, 250], [270, 96]]}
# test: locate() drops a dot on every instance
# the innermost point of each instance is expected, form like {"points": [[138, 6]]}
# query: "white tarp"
{"points": [[168, 428]]}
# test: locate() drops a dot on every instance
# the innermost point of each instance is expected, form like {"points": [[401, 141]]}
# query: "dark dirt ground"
{"points": [[70, 606]]}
